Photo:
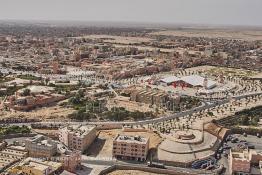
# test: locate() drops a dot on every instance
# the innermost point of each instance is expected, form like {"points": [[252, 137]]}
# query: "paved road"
{"points": [[160, 119], [138, 164]]}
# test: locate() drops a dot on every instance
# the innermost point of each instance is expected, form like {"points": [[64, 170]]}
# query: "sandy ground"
{"points": [[53, 112], [103, 145], [225, 71], [130, 172], [119, 39], [242, 34], [132, 106], [46, 131], [147, 48], [259, 75]]}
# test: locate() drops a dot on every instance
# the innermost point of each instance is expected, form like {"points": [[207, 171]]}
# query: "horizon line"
{"points": [[129, 23]]}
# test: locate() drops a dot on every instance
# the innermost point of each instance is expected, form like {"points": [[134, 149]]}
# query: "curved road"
{"points": [[160, 119]]}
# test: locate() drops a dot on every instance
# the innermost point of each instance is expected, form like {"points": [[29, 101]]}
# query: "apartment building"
{"points": [[71, 161], [242, 162], [77, 137], [130, 147], [41, 146]]}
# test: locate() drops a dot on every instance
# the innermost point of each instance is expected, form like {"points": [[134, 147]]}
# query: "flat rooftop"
{"points": [[240, 154], [41, 140], [79, 130], [37, 166], [132, 139]]}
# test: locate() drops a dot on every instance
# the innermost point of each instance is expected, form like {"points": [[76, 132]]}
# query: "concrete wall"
{"points": [[135, 130], [10, 136], [149, 169], [109, 126]]}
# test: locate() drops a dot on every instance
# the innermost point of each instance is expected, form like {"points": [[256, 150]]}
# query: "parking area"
{"points": [[240, 141], [237, 141]]}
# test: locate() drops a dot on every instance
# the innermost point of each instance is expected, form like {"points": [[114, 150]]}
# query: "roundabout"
{"points": [[190, 136]]}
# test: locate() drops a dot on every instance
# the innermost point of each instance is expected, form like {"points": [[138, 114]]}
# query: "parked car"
{"points": [[156, 165], [251, 147], [220, 150], [234, 140]]}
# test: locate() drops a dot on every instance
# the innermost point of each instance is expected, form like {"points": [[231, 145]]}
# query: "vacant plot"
{"points": [[119, 39], [241, 34], [52, 112], [212, 70]]}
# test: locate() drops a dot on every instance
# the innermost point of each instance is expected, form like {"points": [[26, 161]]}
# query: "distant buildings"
{"points": [[153, 97], [38, 96], [130, 147], [77, 137], [41, 146]]}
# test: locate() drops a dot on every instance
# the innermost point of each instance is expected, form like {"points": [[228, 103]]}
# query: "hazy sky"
{"points": [[226, 12]]}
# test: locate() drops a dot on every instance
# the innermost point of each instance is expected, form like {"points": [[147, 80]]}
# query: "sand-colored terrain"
{"points": [[118, 39], [53, 112], [242, 34], [226, 71]]}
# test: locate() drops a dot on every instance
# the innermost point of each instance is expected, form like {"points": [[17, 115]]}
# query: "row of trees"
{"points": [[120, 114], [14, 130], [250, 116]]}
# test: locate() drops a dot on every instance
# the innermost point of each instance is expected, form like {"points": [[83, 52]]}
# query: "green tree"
{"points": [[26, 92], [245, 120]]}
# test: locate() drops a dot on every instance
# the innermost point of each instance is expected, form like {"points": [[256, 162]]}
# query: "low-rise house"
{"points": [[41, 146], [37, 96], [37, 167]]}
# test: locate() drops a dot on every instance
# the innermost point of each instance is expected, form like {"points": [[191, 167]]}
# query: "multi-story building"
{"points": [[41, 146], [71, 161], [241, 162], [77, 137], [130, 147]]}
